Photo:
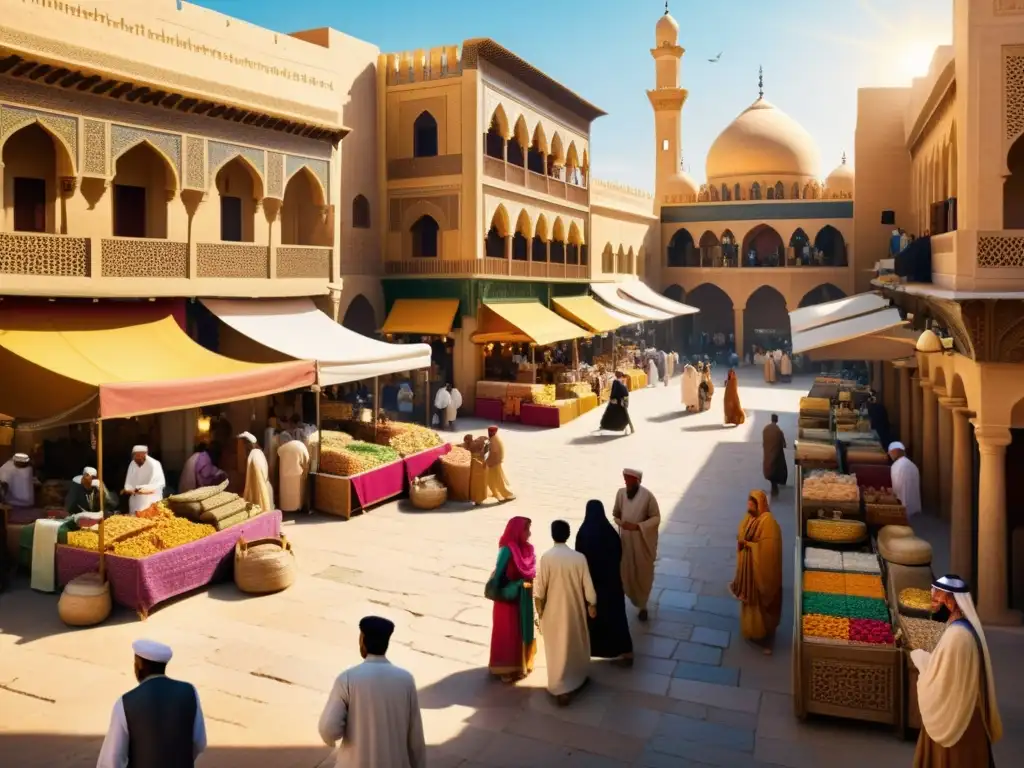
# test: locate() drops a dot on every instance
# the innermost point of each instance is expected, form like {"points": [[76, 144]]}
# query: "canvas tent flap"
{"points": [[523, 322], [590, 314], [609, 294], [893, 344], [817, 315], [116, 361], [846, 331], [429, 317], [641, 292], [296, 328]]}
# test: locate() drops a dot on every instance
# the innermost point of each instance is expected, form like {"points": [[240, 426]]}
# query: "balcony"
{"points": [[517, 175], [487, 267], [143, 257], [41, 255], [973, 260]]}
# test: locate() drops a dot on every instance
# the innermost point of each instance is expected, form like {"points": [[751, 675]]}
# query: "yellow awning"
{"points": [[589, 314], [429, 317], [523, 322]]}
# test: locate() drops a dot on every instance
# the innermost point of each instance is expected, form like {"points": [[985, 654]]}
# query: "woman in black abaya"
{"points": [[598, 541]]}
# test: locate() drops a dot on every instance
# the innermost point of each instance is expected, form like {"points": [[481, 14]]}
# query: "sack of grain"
{"points": [[199, 494], [224, 511], [455, 468], [215, 502]]}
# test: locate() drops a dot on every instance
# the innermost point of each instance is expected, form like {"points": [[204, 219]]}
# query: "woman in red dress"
{"points": [[511, 588]]}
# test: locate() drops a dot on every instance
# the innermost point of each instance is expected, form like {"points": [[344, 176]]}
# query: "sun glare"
{"points": [[916, 59]]}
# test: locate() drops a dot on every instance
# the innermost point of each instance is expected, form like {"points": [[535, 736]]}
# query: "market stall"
{"points": [[427, 321]]}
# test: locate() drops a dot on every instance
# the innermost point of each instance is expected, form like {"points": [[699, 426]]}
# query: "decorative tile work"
{"points": [[298, 261], [275, 175], [123, 138], [1000, 251], [320, 168], [851, 685], [232, 260], [44, 255], [64, 127], [1013, 95], [219, 153], [143, 257], [195, 163], [94, 162]]}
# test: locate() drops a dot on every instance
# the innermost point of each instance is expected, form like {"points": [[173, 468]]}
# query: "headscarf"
{"points": [[598, 541], [523, 555], [761, 499]]}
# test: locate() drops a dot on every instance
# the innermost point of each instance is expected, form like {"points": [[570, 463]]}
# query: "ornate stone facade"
{"points": [[1013, 95], [125, 137], [138, 257], [96, 159], [195, 163], [63, 127], [275, 175], [43, 255], [852, 685], [299, 261], [231, 260], [220, 153], [1000, 251], [320, 168]]}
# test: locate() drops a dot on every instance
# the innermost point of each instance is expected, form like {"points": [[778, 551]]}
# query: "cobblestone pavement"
{"points": [[698, 695]]}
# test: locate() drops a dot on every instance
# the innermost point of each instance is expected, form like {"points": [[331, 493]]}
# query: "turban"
{"points": [[248, 437], [150, 650], [637, 473], [90, 471], [952, 584], [491, 430], [897, 446], [20, 457], [140, 449]]}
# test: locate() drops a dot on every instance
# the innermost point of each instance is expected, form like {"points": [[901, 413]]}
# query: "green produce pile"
{"points": [[354, 457], [845, 606]]}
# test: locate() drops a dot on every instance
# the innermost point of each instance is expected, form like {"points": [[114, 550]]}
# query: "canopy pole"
{"points": [[533, 363], [427, 403], [102, 494], [576, 358], [615, 348], [319, 394], [376, 406]]}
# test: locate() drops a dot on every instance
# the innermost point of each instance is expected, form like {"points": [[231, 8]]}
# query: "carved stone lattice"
{"points": [[296, 261], [1000, 251], [124, 137], [1008, 322], [195, 163], [42, 255], [220, 153], [320, 169], [1013, 95], [63, 126], [140, 257], [231, 260], [275, 175], [852, 685], [95, 161]]}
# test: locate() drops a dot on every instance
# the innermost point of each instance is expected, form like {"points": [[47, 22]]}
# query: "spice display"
{"points": [[167, 532], [825, 604], [864, 585], [456, 457], [836, 531], [831, 486], [160, 509], [824, 581], [815, 405], [861, 562], [414, 439], [818, 559], [544, 395], [830, 627], [871, 631], [84, 540], [916, 599], [341, 455], [922, 633], [866, 608]]}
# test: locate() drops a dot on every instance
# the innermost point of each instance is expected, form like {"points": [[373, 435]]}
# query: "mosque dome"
{"points": [[666, 32], [681, 185], [840, 182], [763, 144]]}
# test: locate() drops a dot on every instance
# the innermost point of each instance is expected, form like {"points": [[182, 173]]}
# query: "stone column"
{"points": [[946, 406], [929, 452], [917, 417], [993, 587], [906, 407], [961, 542], [738, 333]]}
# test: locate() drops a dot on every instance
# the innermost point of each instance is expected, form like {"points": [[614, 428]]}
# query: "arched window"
{"points": [[755, 191], [771, 193], [780, 191], [725, 192], [360, 212], [737, 194], [425, 235], [424, 136], [795, 194]]}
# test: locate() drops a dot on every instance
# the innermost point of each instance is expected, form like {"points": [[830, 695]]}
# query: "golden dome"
{"points": [[929, 342], [763, 143], [840, 182], [681, 184], [666, 32]]}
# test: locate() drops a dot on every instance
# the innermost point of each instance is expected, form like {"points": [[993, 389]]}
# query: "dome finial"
{"points": [[666, 7], [760, 82], [844, 157]]}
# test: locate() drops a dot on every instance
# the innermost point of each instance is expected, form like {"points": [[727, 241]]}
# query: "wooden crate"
{"points": [[858, 682], [333, 495], [885, 514]]}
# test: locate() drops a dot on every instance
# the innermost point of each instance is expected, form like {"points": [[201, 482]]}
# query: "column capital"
{"points": [[925, 384], [991, 439], [952, 402], [965, 413], [939, 392]]}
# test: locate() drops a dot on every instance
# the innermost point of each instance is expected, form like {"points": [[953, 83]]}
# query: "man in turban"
{"points": [[906, 480], [373, 709], [956, 688], [17, 481], [84, 495], [144, 482], [497, 482], [637, 515]]}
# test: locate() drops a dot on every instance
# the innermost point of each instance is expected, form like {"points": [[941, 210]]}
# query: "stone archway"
{"points": [[716, 319], [830, 247], [360, 317], [681, 251], [821, 294], [1013, 187], [679, 330], [766, 319], [763, 247]]}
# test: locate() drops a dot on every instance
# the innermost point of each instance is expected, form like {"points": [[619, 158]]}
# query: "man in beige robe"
{"points": [[564, 596], [956, 688], [497, 483], [293, 468], [637, 515], [258, 490]]}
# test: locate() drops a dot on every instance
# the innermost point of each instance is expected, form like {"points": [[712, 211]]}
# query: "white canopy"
{"points": [[609, 294], [641, 292], [817, 315], [847, 330], [296, 328]]}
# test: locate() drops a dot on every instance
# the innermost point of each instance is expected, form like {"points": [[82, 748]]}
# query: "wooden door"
{"points": [[129, 211], [29, 205]]}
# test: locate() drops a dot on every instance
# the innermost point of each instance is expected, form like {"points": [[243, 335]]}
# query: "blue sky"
{"points": [[815, 54]]}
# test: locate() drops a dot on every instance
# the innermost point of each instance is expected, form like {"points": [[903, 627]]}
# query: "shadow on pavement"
{"points": [[597, 439]]}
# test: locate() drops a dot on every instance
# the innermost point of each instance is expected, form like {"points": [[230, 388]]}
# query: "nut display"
{"points": [[916, 599], [825, 581], [871, 631], [922, 633], [168, 532], [836, 531], [830, 627], [831, 486], [880, 496], [864, 585]]}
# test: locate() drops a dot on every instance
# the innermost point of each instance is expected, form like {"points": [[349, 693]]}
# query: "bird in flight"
{"points": [[715, 60]]}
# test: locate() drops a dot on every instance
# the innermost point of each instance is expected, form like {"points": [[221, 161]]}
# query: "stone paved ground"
{"points": [[698, 695]]}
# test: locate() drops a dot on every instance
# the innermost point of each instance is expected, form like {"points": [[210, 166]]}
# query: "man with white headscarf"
{"points": [[906, 480], [293, 466], [637, 516], [144, 482], [956, 688], [258, 490], [691, 388], [84, 494], [17, 482]]}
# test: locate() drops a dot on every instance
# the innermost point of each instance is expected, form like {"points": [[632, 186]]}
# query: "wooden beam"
{"points": [[89, 82], [39, 71], [103, 87], [134, 94], [10, 61], [171, 100], [56, 75], [121, 90], [23, 68], [70, 80]]}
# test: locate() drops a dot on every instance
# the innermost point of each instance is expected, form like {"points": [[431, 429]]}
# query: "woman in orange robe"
{"points": [[758, 581], [733, 410]]}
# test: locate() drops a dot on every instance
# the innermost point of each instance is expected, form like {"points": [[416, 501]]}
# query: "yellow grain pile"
{"points": [[414, 439], [836, 531]]}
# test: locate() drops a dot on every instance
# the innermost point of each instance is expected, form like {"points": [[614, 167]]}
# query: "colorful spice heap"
{"points": [[864, 585], [922, 633], [871, 631], [866, 608], [846, 606], [825, 581], [829, 627], [836, 531], [916, 599], [824, 603]]}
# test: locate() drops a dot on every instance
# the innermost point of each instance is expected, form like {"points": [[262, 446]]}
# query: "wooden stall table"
{"points": [[417, 464], [341, 496]]}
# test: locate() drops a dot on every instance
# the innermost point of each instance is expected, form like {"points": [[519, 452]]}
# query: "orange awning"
{"points": [[429, 317], [77, 363], [523, 322]]}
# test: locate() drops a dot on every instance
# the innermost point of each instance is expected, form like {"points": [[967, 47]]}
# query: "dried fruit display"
{"points": [[836, 531], [168, 532], [871, 631], [922, 633], [355, 457], [864, 585], [830, 627], [879, 496], [916, 599], [825, 581]]}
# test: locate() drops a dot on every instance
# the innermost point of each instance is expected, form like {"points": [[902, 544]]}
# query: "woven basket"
{"points": [[456, 477], [885, 514], [85, 601], [427, 497], [264, 565]]}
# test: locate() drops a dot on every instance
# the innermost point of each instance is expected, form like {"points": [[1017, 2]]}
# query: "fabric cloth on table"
{"points": [[598, 541], [562, 592], [44, 547], [379, 483], [639, 547], [758, 580]]}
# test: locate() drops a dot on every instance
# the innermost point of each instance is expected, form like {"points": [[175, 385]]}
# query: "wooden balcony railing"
{"points": [[535, 182], [488, 267], [42, 255]]}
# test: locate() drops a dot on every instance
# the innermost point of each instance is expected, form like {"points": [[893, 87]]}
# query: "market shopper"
{"points": [[707, 387], [733, 410], [616, 414], [652, 373], [293, 469], [691, 388], [769, 368], [257, 490], [84, 494], [758, 580], [452, 411], [637, 515], [373, 709], [442, 401], [497, 483], [17, 481], [159, 723], [599, 542], [956, 689], [786, 368], [773, 463], [906, 480], [564, 596], [144, 482], [510, 587], [201, 470]]}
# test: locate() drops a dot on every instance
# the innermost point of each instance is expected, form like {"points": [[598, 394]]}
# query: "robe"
{"points": [[769, 369], [497, 483], [758, 581], [257, 481], [786, 367], [562, 591], [293, 466], [733, 410], [639, 548], [906, 484], [148, 478], [82, 499], [513, 646], [373, 710], [200, 472], [652, 373], [599, 542], [959, 713], [21, 491], [477, 478], [691, 388], [454, 403], [773, 464]]}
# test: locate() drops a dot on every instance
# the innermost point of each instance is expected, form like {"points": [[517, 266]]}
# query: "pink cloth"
{"points": [[539, 415], [208, 473], [506, 631], [872, 475], [523, 556], [488, 408], [418, 463], [379, 483]]}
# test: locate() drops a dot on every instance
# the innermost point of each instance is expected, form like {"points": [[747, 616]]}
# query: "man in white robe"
{"points": [[293, 466], [17, 482], [652, 373], [373, 708], [637, 515], [442, 401], [144, 482], [452, 411], [956, 687], [258, 489], [906, 480], [691, 388], [564, 596]]}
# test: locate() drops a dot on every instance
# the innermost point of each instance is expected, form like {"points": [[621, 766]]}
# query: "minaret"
{"points": [[667, 99]]}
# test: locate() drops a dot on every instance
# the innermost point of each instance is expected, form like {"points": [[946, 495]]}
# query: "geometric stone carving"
{"points": [[275, 175], [1000, 251], [95, 161], [220, 153], [124, 137], [296, 261], [232, 260], [852, 685], [62, 126], [320, 169], [44, 255], [1013, 95], [143, 257], [195, 163]]}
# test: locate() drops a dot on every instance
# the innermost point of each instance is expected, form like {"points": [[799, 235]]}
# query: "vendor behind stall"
{"points": [[144, 482], [17, 482], [201, 469], [84, 494]]}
